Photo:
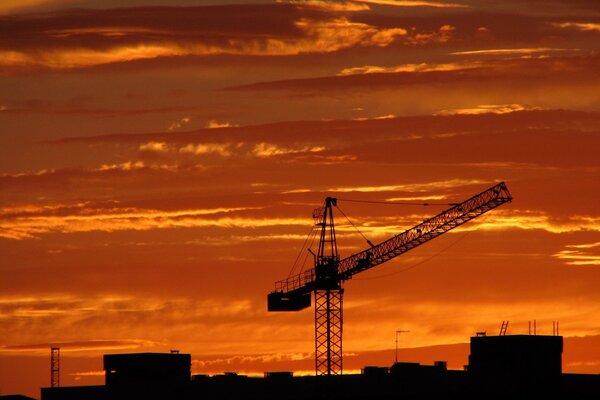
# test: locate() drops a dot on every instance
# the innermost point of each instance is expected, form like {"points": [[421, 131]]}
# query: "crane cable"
{"points": [[355, 227], [312, 232], [383, 202], [307, 250], [422, 261], [397, 203]]}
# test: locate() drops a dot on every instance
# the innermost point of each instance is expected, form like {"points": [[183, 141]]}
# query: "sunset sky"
{"points": [[160, 161]]}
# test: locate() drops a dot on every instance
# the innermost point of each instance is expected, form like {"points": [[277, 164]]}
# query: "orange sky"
{"points": [[159, 165]]}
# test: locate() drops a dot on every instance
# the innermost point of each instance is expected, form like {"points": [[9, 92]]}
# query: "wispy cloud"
{"points": [[579, 26], [415, 3], [351, 6], [580, 254], [154, 146], [536, 220], [488, 108], [536, 67], [262, 358], [212, 124], [222, 149], [133, 166], [422, 67], [179, 124], [270, 150], [82, 345], [27, 227], [410, 187], [518, 51], [297, 30]]}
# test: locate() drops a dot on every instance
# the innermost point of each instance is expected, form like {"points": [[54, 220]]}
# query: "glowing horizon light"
{"points": [[413, 3]]}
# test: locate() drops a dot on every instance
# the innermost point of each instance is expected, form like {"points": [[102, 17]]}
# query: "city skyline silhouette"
{"points": [[160, 162]]}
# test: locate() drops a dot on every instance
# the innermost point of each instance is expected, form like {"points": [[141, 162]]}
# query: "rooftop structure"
{"points": [[518, 366], [126, 369]]}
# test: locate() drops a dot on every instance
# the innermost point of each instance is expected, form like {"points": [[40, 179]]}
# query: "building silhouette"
{"points": [[500, 367]]}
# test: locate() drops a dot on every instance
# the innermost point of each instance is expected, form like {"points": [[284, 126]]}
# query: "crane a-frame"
{"points": [[329, 273]]}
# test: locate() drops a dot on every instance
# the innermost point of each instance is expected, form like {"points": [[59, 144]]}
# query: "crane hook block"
{"points": [[277, 301]]}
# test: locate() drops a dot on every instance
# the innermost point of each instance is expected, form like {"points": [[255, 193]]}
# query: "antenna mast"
{"points": [[55, 367]]}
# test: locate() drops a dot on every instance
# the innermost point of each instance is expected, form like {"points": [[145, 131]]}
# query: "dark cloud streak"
{"points": [[574, 68]]}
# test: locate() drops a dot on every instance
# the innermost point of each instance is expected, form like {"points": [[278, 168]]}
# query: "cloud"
{"points": [[214, 124], [87, 38], [124, 166], [105, 345], [154, 146], [421, 67], [488, 108], [524, 51], [270, 150], [535, 73], [537, 220], [135, 220], [352, 131], [341, 33], [410, 187], [443, 35], [328, 5], [259, 358], [133, 166], [579, 26], [222, 149], [179, 124], [581, 254], [410, 3], [387, 116]]}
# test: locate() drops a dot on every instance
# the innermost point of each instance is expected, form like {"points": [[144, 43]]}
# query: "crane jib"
{"points": [[291, 294]]}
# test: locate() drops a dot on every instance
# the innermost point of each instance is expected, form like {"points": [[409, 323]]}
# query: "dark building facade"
{"points": [[500, 367], [166, 368], [516, 364]]}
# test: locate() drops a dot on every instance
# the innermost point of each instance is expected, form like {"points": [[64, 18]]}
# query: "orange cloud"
{"points": [[443, 35], [179, 124], [132, 219], [131, 166], [414, 187], [422, 67], [270, 150], [154, 146], [488, 108], [537, 220], [214, 124], [328, 5], [89, 345], [222, 149], [415, 3], [581, 254], [67, 59], [341, 33], [580, 26], [103, 43], [525, 51]]}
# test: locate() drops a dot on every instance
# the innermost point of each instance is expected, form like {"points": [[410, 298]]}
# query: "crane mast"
{"points": [[329, 273]]}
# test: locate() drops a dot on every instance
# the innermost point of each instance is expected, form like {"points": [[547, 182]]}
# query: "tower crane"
{"points": [[326, 279]]}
